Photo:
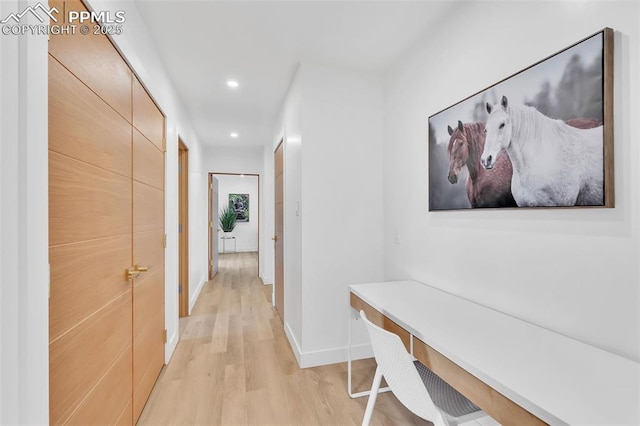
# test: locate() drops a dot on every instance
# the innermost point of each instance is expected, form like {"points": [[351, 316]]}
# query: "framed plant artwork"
{"points": [[240, 204], [542, 137]]}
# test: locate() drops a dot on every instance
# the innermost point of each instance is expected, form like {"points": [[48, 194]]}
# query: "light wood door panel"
{"points": [[95, 61], [279, 262], [85, 277], [148, 296], [104, 404], [150, 369], [146, 116], [149, 251], [126, 417], [147, 343], [81, 357], [148, 354], [83, 126], [183, 229], [106, 214], [279, 184], [279, 230], [90, 355], [148, 207], [146, 157], [86, 202]]}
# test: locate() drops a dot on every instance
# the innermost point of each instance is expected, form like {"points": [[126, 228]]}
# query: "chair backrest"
{"points": [[400, 373]]}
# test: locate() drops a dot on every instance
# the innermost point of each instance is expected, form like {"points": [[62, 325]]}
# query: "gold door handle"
{"points": [[134, 271], [274, 238]]}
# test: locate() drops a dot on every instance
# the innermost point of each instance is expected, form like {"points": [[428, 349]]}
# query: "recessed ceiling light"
{"points": [[234, 135], [232, 83]]}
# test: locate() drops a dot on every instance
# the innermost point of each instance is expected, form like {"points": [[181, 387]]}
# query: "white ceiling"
{"points": [[260, 43]]}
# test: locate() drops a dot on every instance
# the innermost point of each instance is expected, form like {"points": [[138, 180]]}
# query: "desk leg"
{"points": [[355, 315]]}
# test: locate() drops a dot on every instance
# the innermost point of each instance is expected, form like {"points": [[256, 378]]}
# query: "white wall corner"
{"points": [[24, 246], [194, 294], [266, 280], [326, 356], [170, 346], [295, 347]]}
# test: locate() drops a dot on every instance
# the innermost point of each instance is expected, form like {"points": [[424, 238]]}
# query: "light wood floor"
{"points": [[233, 366]]}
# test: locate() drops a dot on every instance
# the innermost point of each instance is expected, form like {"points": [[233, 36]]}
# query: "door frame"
{"points": [[211, 175], [212, 227], [183, 229], [282, 145]]}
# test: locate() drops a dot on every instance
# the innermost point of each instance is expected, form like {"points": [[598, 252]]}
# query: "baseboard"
{"points": [[170, 346], [334, 355], [240, 250], [195, 294], [328, 356], [266, 280], [292, 342]]}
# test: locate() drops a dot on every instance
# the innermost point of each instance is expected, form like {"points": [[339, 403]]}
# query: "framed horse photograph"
{"points": [[542, 137]]}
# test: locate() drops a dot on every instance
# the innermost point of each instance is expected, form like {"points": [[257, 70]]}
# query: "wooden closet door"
{"points": [[148, 245], [106, 215], [90, 228]]}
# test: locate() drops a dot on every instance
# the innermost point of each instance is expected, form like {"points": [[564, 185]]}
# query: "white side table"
{"points": [[224, 244]]}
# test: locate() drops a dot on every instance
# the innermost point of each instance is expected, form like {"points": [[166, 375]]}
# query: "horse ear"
{"points": [[450, 130], [488, 108], [504, 102], [460, 126]]}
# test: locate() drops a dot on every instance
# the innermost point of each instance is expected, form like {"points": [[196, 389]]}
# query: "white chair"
{"points": [[418, 388]]}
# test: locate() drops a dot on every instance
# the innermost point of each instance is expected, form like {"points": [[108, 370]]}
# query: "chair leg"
{"points": [[375, 387]]}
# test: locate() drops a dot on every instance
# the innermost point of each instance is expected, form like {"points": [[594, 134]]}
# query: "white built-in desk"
{"points": [[515, 371]]}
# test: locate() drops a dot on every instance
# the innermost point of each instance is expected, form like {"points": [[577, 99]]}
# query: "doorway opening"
{"points": [[240, 193], [183, 229]]}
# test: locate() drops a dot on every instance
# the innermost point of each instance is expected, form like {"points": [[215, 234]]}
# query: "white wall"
{"points": [[332, 120], [24, 227], [342, 242], [198, 223], [242, 159], [574, 271], [139, 50], [246, 233]]}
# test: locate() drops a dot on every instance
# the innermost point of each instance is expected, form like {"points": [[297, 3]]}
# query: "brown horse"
{"points": [[485, 188]]}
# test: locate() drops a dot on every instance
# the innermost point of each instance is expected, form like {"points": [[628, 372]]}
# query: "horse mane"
{"points": [[531, 124], [475, 145]]}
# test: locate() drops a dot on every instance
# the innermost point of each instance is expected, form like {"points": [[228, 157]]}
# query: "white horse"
{"points": [[553, 164]]}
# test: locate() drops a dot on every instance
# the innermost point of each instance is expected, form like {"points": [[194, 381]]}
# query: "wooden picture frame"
{"points": [[542, 137]]}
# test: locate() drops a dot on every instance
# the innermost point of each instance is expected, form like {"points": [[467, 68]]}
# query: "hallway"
{"points": [[233, 366]]}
